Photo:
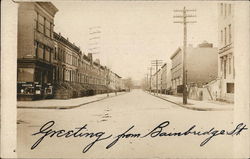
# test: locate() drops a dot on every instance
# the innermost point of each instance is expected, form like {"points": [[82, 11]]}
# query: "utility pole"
{"points": [[156, 63], [150, 78], [147, 85], [184, 21]]}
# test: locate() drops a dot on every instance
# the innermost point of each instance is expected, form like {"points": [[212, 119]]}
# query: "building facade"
{"points": [[35, 50], [201, 65], [49, 65], [226, 71]]}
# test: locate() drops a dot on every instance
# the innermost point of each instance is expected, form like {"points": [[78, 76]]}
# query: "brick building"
{"points": [[49, 65], [201, 66], [35, 50]]}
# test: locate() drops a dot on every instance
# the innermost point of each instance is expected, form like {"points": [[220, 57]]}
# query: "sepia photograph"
{"points": [[125, 79]]}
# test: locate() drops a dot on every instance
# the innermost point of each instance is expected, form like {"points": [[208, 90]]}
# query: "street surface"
{"points": [[114, 116]]}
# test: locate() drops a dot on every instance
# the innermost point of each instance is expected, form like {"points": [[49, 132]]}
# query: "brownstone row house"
{"points": [[49, 65]]}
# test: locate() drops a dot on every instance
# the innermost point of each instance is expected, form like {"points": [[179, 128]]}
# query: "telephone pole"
{"points": [[150, 77], [156, 63], [183, 20]]}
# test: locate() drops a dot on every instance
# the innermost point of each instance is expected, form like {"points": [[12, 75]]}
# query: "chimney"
{"points": [[90, 57], [97, 61]]}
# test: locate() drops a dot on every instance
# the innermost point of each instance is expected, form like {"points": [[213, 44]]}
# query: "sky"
{"points": [[132, 33]]}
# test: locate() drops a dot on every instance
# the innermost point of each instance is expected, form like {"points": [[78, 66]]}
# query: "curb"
{"points": [[192, 108], [67, 107]]}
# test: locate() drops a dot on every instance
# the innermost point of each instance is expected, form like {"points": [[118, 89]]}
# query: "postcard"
{"points": [[125, 79]]}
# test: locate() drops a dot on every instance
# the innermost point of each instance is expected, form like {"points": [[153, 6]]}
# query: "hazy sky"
{"points": [[134, 32]]}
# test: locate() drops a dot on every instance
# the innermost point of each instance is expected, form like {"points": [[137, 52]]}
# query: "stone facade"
{"points": [[226, 71]]}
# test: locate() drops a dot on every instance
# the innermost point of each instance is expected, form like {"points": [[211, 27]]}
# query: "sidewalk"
{"points": [[64, 103], [195, 104]]}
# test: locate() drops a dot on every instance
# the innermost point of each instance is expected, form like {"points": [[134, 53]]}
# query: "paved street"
{"points": [[116, 115]]}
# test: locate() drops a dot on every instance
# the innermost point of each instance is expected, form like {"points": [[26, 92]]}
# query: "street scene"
{"points": [[82, 68], [117, 114]]}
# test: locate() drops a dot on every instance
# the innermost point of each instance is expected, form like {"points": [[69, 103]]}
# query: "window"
{"points": [[47, 28], [35, 47], [229, 9], [221, 62], [51, 30], [40, 51], [221, 36], [229, 63], [225, 10], [25, 74], [40, 24], [44, 25], [230, 87], [59, 54], [233, 68], [221, 8], [47, 54], [225, 69], [225, 30], [229, 33], [36, 21], [55, 54]]}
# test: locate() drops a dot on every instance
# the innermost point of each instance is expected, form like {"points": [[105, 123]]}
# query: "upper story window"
{"points": [[221, 8], [229, 9], [40, 24], [36, 21], [225, 30], [47, 28], [225, 9], [221, 36], [229, 33], [51, 30], [55, 54]]}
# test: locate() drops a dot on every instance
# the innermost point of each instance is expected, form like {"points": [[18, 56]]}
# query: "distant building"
{"points": [[201, 65], [163, 85], [226, 71], [35, 50]]}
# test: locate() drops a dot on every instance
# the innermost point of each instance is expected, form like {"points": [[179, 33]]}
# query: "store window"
{"points": [[25, 74]]}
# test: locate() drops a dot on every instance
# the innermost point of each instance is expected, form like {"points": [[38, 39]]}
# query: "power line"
{"points": [[183, 20]]}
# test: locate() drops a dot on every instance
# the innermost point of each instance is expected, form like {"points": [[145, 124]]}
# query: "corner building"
{"points": [[35, 50], [226, 71]]}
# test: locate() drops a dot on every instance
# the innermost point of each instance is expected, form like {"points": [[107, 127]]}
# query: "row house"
{"points": [[164, 85], [67, 60], [163, 80], [49, 65]]}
